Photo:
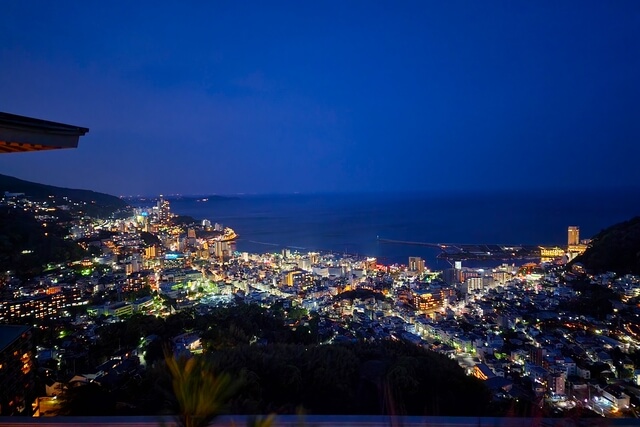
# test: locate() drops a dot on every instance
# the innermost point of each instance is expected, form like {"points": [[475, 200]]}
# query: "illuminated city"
{"points": [[515, 326], [323, 214]]}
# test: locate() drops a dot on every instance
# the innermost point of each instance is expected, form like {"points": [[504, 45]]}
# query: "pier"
{"points": [[481, 251], [405, 242]]}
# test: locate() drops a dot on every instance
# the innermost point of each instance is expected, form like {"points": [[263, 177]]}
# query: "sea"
{"points": [[354, 223]]}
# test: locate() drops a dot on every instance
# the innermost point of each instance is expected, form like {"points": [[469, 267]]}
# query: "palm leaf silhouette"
{"points": [[200, 392]]}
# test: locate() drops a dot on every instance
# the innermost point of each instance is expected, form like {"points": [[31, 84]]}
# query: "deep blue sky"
{"points": [[309, 96]]}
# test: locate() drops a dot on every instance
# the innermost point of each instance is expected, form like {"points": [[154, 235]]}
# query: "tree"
{"points": [[200, 393], [90, 399]]}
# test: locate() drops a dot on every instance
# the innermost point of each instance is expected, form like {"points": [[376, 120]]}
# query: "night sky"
{"points": [[327, 96]]}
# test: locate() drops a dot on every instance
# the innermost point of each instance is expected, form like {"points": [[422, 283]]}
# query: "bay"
{"points": [[351, 223]]}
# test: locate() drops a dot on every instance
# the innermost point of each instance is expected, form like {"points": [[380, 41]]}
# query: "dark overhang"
{"points": [[10, 334], [19, 134]]}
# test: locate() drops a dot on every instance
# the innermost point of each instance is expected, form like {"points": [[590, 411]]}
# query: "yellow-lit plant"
{"points": [[200, 392]]}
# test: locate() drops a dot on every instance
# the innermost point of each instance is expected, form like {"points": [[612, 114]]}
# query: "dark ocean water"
{"points": [[351, 223]]}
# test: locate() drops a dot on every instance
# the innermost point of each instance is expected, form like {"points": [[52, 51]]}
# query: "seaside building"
{"points": [[573, 235], [550, 253], [452, 276], [416, 264], [370, 263], [574, 246]]}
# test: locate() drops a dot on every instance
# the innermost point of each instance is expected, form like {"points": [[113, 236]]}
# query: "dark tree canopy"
{"points": [[26, 245], [616, 248]]}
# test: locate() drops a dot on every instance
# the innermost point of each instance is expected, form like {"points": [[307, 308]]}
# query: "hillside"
{"points": [[96, 203], [281, 373], [616, 248], [25, 246]]}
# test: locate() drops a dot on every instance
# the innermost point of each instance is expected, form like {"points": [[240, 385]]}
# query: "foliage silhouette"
{"points": [[201, 394], [616, 248], [88, 399]]}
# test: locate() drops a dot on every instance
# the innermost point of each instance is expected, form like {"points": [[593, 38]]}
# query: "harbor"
{"points": [[480, 252]]}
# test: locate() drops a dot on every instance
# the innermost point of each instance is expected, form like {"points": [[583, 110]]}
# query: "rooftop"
{"points": [[325, 421], [10, 333], [21, 134]]}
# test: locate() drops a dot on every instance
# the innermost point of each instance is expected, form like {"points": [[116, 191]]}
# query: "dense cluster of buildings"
{"points": [[511, 326]]}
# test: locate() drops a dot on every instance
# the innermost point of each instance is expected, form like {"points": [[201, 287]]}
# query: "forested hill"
{"points": [[40, 192], [616, 249], [26, 246]]}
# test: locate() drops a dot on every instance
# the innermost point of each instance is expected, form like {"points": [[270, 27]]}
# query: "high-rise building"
{"points": [[164, 210], [426, 300], [314, 257], [416, 264], [573, 235], [370, 263], [473, 284], [16, 369], [574, 246], [150, 252], [452, 276]]}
